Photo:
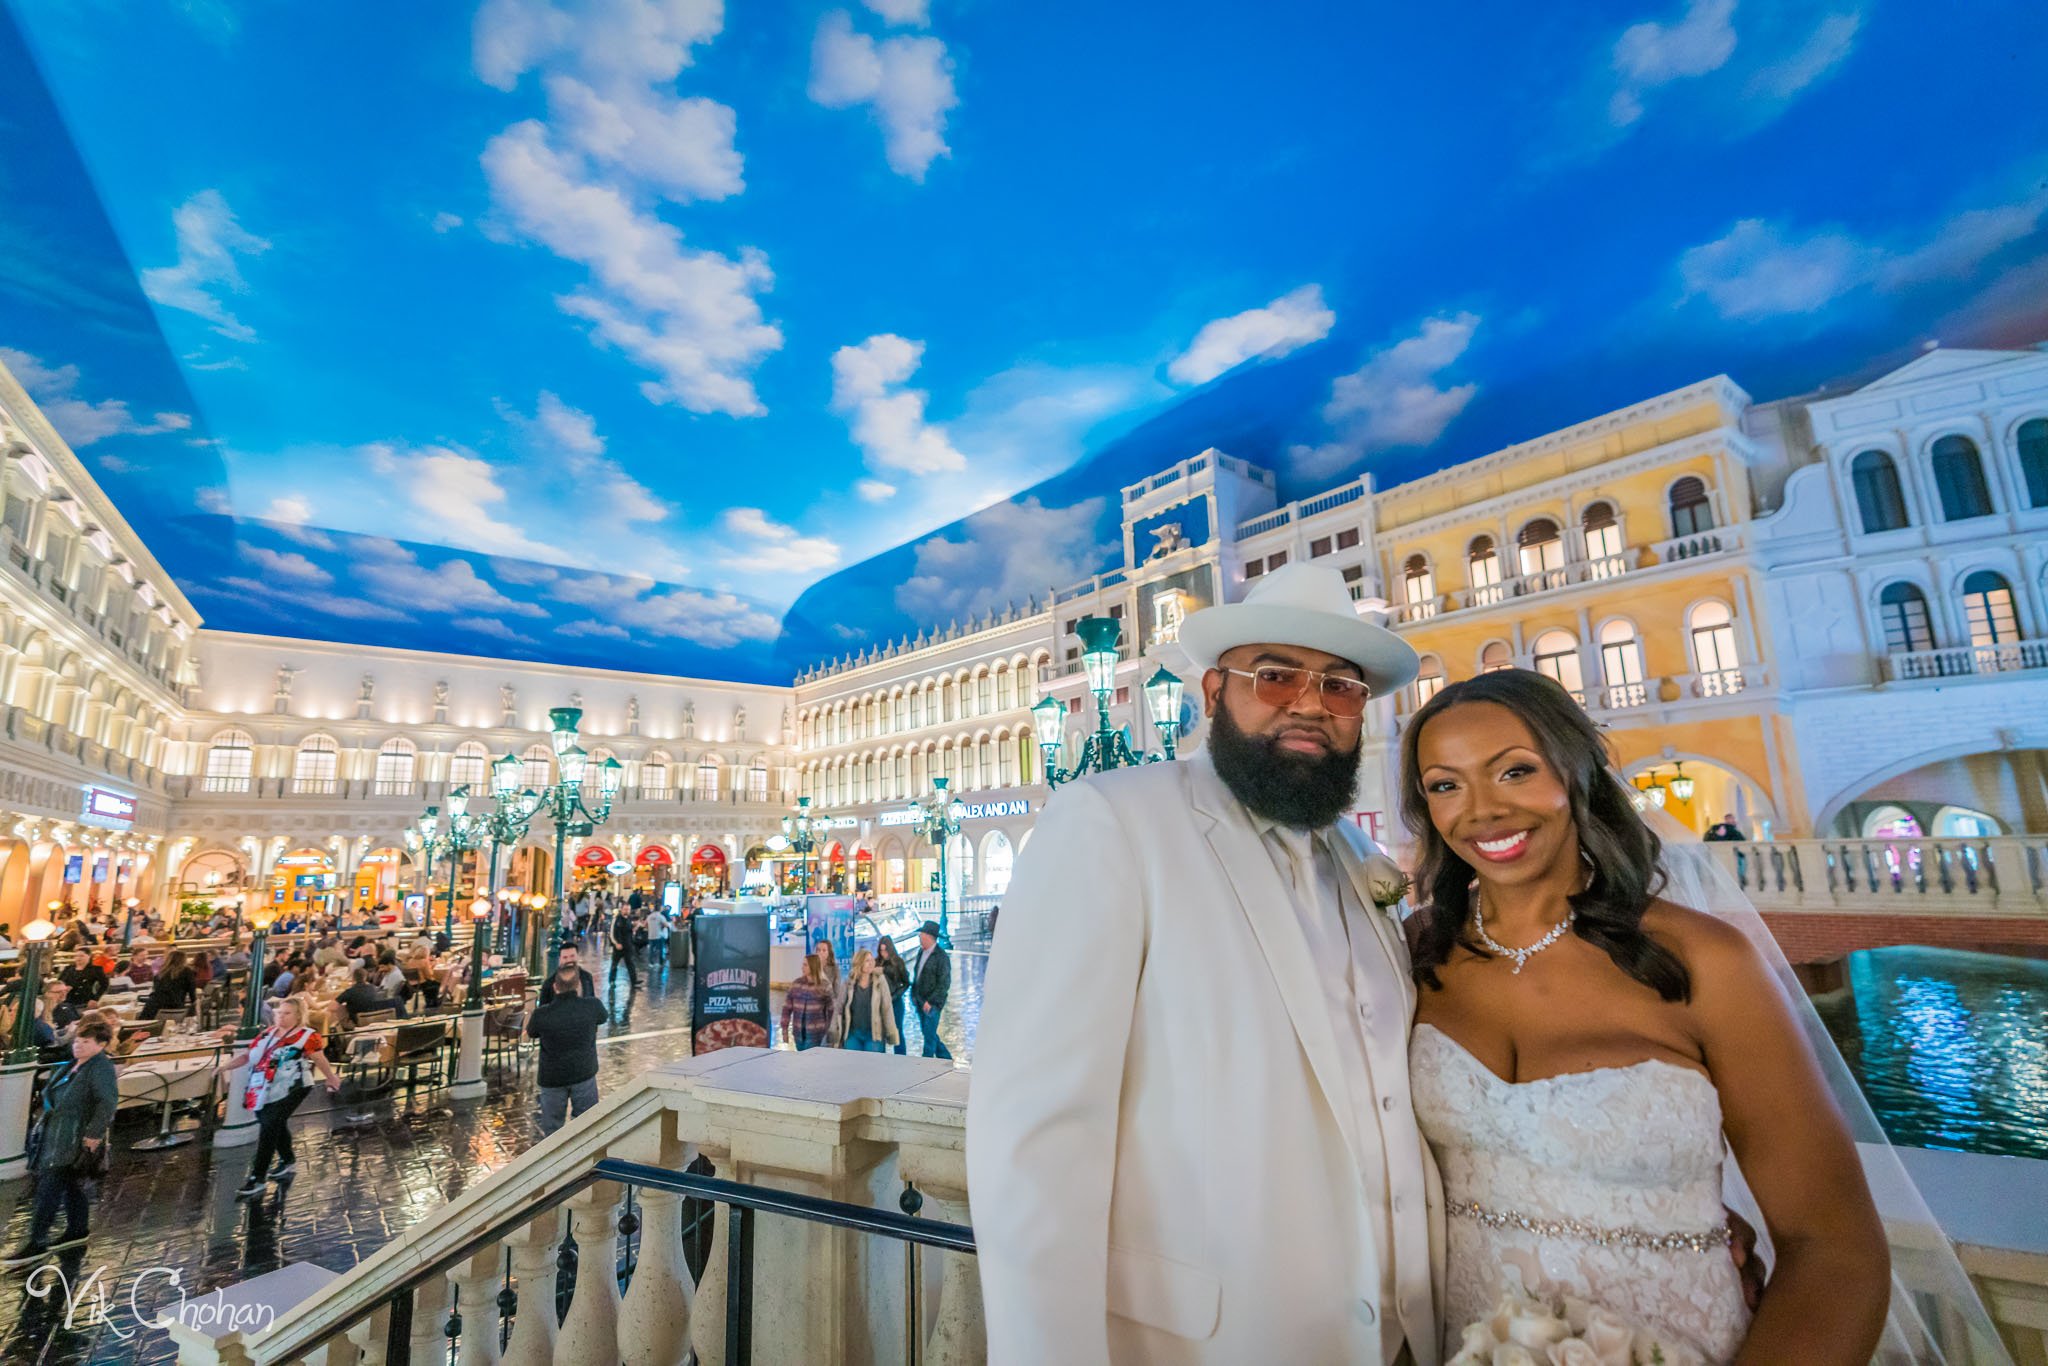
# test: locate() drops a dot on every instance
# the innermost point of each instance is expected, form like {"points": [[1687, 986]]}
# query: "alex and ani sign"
{"points": [[109, 808], [976, 811]]}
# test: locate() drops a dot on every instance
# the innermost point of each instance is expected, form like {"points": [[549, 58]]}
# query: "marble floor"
{"points": [[174, 1213]]}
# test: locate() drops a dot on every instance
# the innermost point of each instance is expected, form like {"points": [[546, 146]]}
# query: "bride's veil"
{"points": [[1936, 1315]]}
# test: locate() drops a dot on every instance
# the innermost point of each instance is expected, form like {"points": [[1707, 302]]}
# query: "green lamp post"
{"points": [[799, 831], [564, 802], [938, 819], [37, 932], [1108, 747]]}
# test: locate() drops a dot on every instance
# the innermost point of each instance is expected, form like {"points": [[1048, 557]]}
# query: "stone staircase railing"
{"points": [[837, 1125]]}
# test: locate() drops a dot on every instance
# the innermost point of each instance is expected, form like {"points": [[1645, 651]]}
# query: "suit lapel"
{"points": [[1391, 942], [1263, 899]]}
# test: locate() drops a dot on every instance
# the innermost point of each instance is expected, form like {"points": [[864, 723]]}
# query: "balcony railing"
{"points": [[1621, 696], [315, 787], [1962, 661], [225, 783], [394, 787], [1992, 876]]}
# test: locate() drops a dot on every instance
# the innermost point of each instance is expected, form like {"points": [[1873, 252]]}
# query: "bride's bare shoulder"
{"points": [[1709, 946]]}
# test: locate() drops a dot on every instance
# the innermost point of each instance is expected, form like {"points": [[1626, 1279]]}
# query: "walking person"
{"points": [[175, 988], [622, 950], [565, 1025], [807, 1007], [278, 1059], [930, 986], [571, 957], [828, 963], [865, 1022], [68, 1150], [897, 974], [657, 938]]}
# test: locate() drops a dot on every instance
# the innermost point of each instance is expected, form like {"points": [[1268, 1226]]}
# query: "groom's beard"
{"points": [[1293, 789]]}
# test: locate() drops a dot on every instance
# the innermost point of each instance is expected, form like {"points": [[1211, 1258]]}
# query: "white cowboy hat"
{"points": [[1306, 605]]}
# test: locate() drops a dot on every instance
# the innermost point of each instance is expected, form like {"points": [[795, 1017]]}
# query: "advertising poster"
{"points": [[74, 867], [831, 918], [729, 981]]}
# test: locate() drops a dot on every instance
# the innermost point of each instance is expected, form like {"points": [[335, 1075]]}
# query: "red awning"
{"points": [[595, 856], [708, 853], [654, 856]]}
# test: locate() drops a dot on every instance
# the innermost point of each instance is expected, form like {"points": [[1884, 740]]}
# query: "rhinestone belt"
{"points": [[1717, 1237]]}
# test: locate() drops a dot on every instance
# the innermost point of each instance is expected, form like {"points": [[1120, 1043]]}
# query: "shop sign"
{"points": [[834, 822], [103, 807], [618, 869], [729, 987], [654, 856], [976, 811], [594, 856], [708, 853]]}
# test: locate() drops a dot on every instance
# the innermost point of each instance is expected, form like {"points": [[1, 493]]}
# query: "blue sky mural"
{"points": [[646, 334]]}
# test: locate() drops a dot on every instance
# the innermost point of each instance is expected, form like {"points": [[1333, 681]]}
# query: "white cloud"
{"points": [[714, 619], [1760, 269], [213, 500], [873, 490], [447, 222], [81, 422], [682, 147], [1009, 552], [887, 420], [624, 40], [603, 630], [286, 564], [570, 434], [1288, 323], [908, 81], [1396, 398], [459, 491], [270, 596], [690, 316], [209, 241], [292, 513], [523, 572], [1825, 49], [394, 574], [492, 627], [775, 548], [114, 464], [902, 13], [1652, 54]]}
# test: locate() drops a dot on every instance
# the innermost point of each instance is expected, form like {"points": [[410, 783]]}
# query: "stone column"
{"points": [[707, 1316], [958, 1333], [469, 1085], [431, 1300], [238, 1122], [533, 1271], [654, 1320], [590, 1331], [476, 1299]]}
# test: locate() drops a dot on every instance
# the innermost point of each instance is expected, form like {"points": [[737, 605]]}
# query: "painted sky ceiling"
{"points": [[646, 335]]}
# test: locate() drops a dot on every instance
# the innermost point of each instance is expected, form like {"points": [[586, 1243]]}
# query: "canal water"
{"points": [[1951, 1048]]}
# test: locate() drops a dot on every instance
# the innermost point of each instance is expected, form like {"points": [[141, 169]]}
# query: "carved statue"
{"points": [[739, 721], [576, 700], [633, 714], [509, 700], [441, 693], [282, 698], [783, 733], [369, 688], [689, 718]]}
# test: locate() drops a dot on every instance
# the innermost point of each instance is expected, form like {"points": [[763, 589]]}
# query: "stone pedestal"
{"points": [[469, 1085], [238, 1122], [17, 1085]]}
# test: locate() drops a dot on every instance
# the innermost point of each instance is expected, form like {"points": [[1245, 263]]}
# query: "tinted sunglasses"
{"points": [[1276, 685]]}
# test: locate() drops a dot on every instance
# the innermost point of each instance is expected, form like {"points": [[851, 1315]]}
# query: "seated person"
{"points": [[176, 989], [362, 997], [143, 968], [389, 976], [121, 980]]}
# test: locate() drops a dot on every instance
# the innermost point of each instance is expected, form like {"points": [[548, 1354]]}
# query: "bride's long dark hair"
{"points": [[1623, 850]]}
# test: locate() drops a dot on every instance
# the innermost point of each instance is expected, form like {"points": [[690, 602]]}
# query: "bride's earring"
{"points": [[1592, 868]]}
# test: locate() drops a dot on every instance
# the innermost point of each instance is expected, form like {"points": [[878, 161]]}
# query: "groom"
{"points": [[1189, 1137]]}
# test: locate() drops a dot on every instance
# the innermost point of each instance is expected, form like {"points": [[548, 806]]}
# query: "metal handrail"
{"points": [[746, 1199]]}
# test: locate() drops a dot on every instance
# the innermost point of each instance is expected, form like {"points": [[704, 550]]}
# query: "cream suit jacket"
{"points": [[1161, 1159]]}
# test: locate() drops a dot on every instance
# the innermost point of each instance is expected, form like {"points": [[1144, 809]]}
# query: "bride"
{"points": [[1583, 1048]]}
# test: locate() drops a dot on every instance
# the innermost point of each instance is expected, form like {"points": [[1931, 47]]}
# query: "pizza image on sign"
{"points": [[729, 981]]}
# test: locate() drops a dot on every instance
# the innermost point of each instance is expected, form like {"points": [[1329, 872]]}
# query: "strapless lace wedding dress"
{"points": [[1602, 1184]]}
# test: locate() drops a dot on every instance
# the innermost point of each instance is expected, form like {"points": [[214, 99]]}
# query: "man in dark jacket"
{"points": [[77, 1107], [87, 979], [566, 1025], [622, 949], [572, 957], [1725, 830], [928, 988]]}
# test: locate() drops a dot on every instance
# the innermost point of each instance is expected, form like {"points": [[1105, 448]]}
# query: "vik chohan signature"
{"points": [[156, 1298]]}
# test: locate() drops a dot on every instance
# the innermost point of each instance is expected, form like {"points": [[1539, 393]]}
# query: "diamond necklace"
{"points": [[1519, 956]]}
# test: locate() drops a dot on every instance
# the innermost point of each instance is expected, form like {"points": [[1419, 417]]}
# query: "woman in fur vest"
{"points": [[866, 1021]]}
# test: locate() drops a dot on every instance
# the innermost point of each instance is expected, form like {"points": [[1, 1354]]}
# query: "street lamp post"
{"points": [[262, 916], [37, 932], [563, 801], [425, 838], [479, 911], [1108, 747], [938, 820], [798, 830], [512, 811]]}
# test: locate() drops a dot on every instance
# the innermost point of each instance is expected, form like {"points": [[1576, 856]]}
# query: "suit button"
{"points": [[1366, 1313], [1400, 1204], [1386, 1102]]}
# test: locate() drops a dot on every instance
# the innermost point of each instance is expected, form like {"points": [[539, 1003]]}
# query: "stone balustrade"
{"points": [[854, 1127], [2004, 876], [840, 1125]]}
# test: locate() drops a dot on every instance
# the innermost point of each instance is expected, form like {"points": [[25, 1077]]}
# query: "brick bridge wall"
{"points": [[1822, 936]]}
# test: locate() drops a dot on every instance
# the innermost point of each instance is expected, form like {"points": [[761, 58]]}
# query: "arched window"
{"points": [[230, 762], [1891, 823], [470, 764], [1557, 654], [1429, 679], [1006, 762], [2033, 443], [1603, 540], [1542, 553], [707, 778], [959, 865], [997, 859], [757, 780], [1987, 607], [1879, 500], [1621, 664], [987, 691], [1418, 588], [1691, 510], [1482, 570], [395, 768], [1495, 657], [315, 770], [536, 767], [1903, 609], [1712, 629], [654, 780], [1959, 479]]}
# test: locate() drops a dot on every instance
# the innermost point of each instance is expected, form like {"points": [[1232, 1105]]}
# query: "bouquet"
{"points": [[1561, 1330]]}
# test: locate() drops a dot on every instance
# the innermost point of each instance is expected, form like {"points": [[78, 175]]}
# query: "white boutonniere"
{"points": [[1385, 881]]}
